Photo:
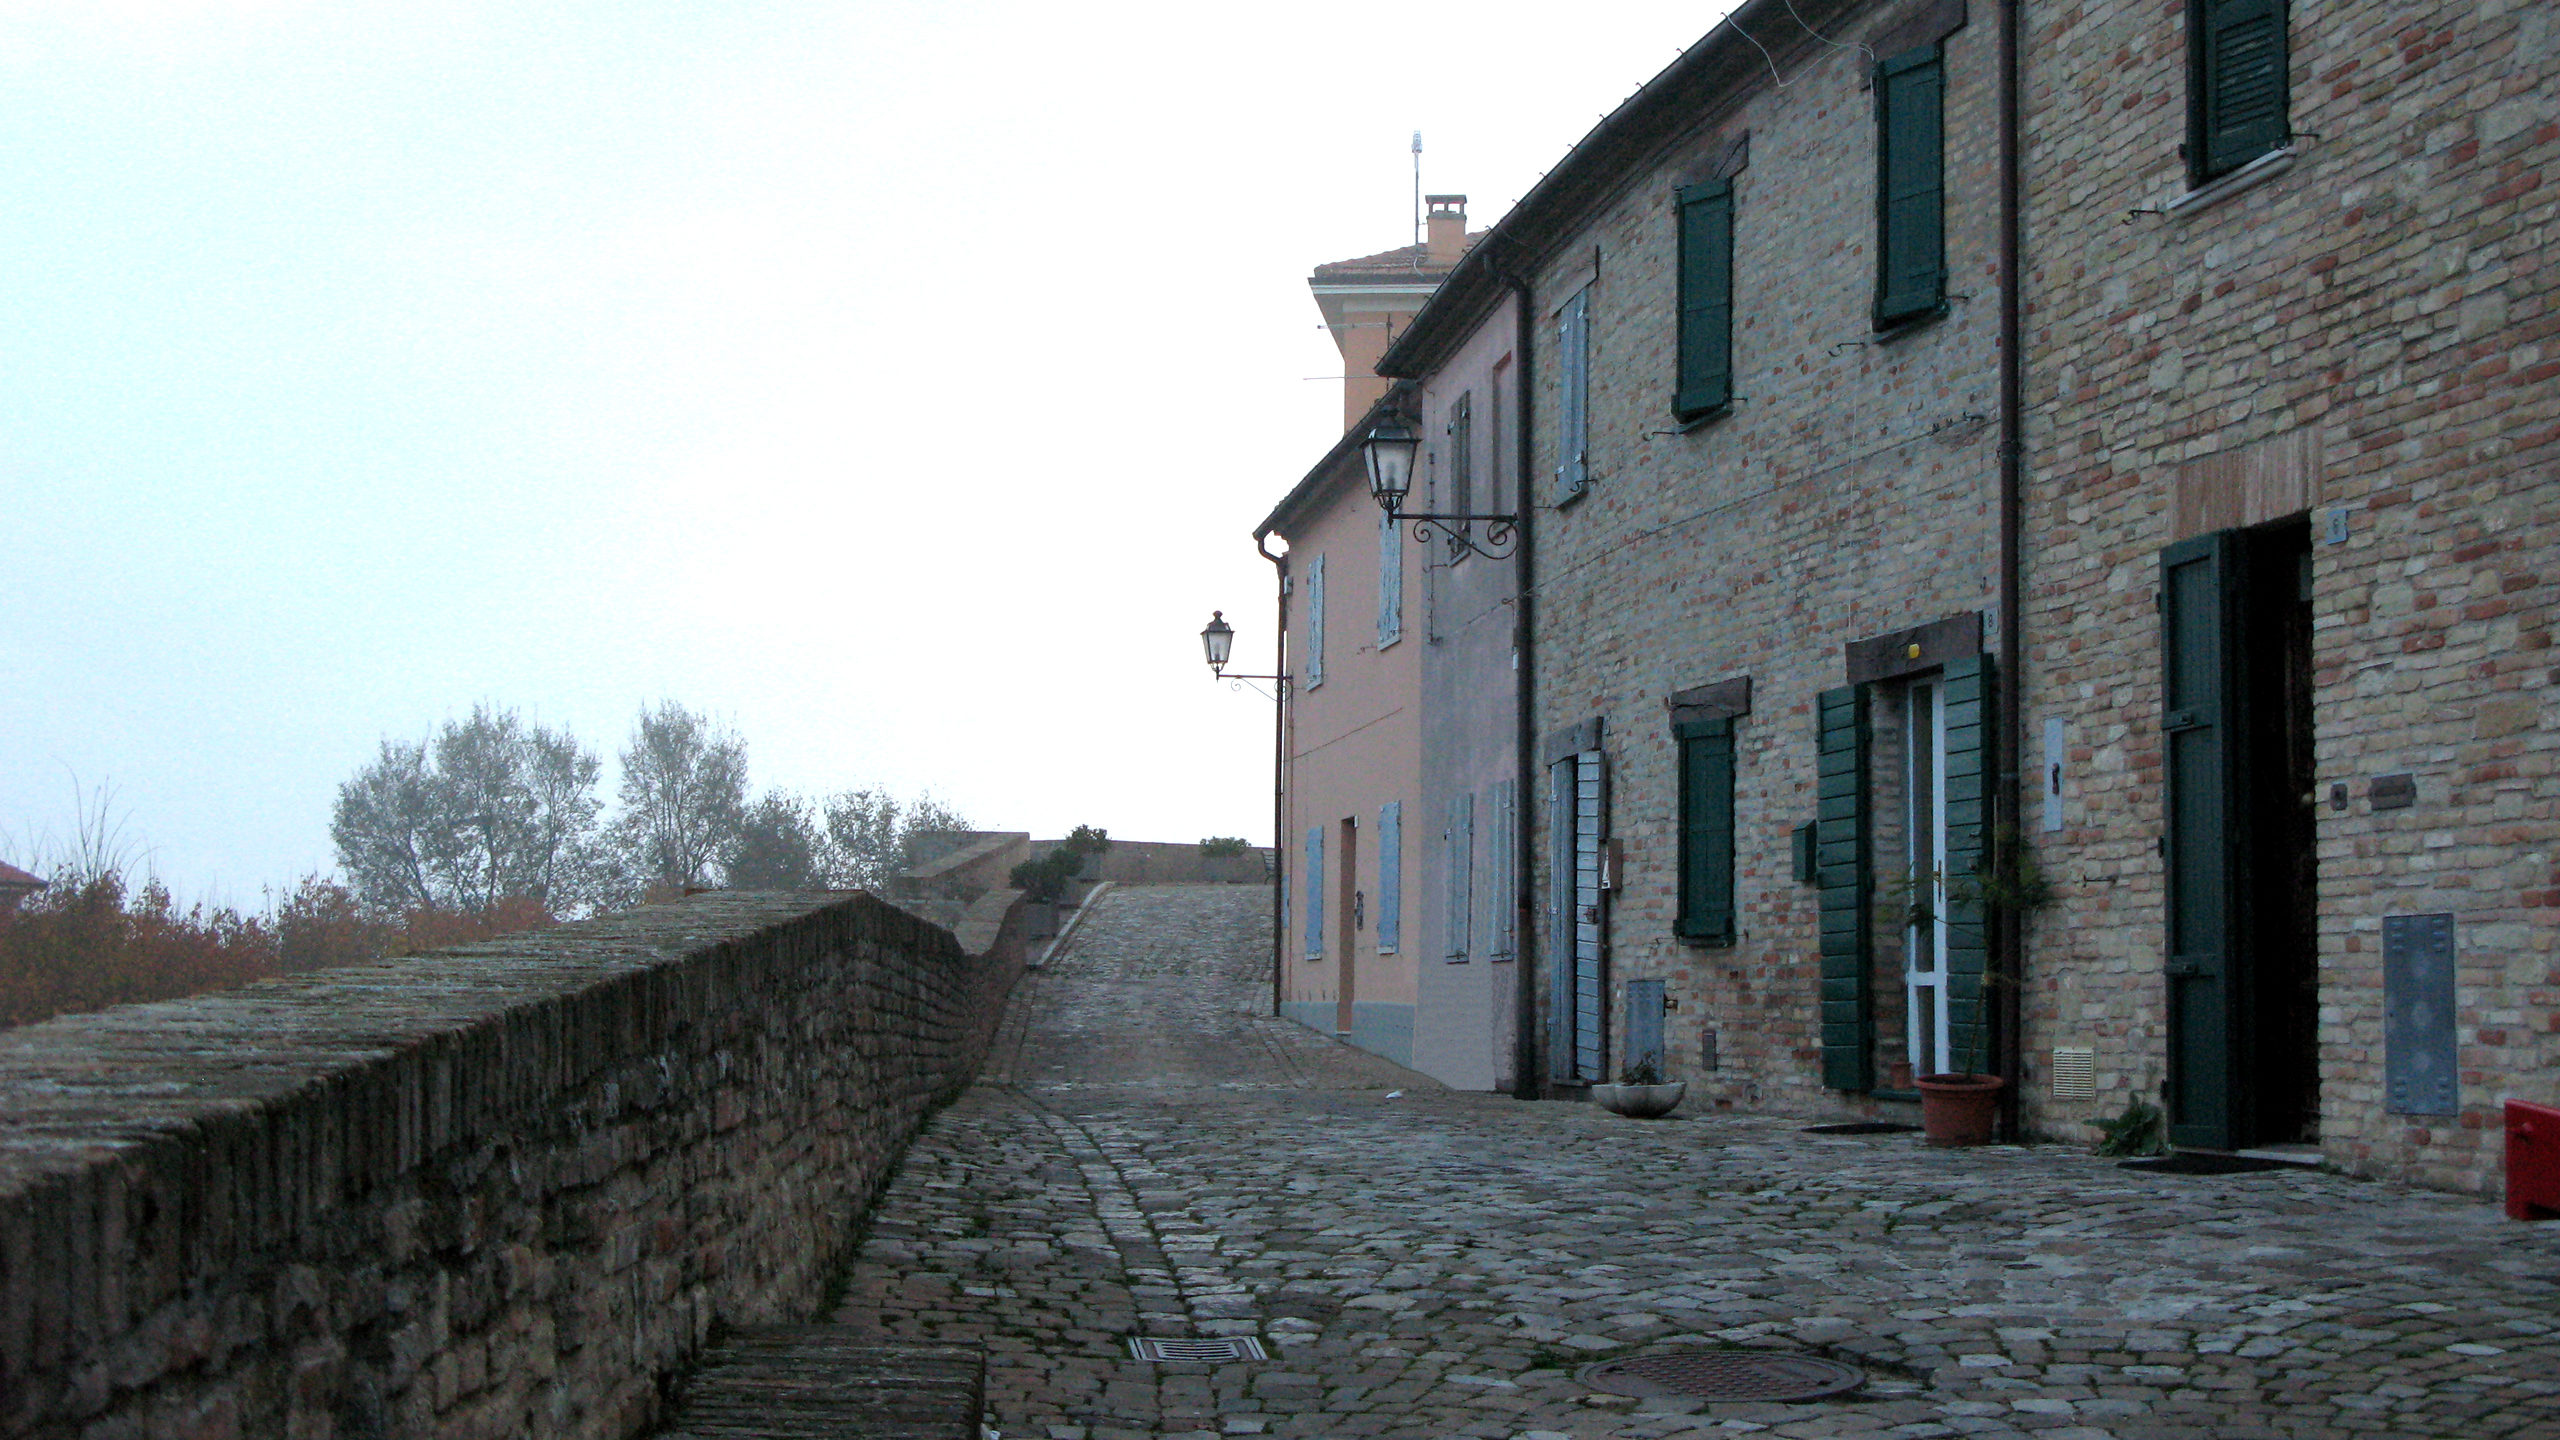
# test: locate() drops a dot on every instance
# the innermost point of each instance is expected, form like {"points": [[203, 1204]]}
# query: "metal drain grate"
{"points": [[1214, 1352], [1723, 1375], [1861, 1127]]}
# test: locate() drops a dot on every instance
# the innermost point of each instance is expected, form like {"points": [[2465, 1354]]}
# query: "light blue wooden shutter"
{"points": [[1315, 892], [1560, 1026], [1315, 622], [1390, 583], [1590, 981], [1390, 876], [1573, 394], [1502, 837], [1454, 838], [1462, 897]]}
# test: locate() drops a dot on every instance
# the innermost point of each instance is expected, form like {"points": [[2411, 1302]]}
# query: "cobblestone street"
{"points": [[1150, 1154]]}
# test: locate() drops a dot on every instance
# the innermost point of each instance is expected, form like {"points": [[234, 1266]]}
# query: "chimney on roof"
{"points": [[1447, 230]]}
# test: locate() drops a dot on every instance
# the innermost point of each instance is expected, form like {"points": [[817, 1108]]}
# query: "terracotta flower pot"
{"points": [[1958, 1109], [1640, 1102]]}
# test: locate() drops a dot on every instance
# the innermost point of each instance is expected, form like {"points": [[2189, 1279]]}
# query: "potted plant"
{"points": [[1641, 1093], [1961, 1107]]}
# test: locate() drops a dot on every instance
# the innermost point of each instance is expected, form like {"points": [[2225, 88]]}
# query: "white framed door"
{"points": [[1924, 945]]}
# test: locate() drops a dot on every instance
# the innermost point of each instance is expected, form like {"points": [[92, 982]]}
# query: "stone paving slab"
{"points": [[1149, 1155]]}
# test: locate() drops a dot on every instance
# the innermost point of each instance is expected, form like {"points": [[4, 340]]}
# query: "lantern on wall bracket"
{"points": [[1389, 450], [1217, 642]]}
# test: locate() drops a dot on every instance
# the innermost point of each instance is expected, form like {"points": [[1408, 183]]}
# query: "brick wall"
{"points": [[504, 1190], [2374, 328], [1848, 493]]}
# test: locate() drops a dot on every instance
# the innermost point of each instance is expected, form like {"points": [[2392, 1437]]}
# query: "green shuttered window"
{"points": [[1911, 186], [2238, 90], [1706, 832], [1706, 300], [1848, 1048]]}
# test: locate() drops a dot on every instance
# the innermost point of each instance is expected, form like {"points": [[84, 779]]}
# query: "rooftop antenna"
{"points": [[1417, 187]]}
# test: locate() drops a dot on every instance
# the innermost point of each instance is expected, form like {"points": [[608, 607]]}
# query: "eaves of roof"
{"points": [[1301, 497], [1387, 267], [13, 878], [1713, 76]]}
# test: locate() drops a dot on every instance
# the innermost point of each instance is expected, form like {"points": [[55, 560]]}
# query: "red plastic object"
{"points": [[2533, 1161]]}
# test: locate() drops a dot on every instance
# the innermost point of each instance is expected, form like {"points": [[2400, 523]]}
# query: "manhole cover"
{"points": [[1215, 1352], [1723, 1375]]}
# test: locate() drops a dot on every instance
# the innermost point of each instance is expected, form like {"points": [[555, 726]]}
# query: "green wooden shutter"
{"points": [[2197, 735], [1911, 185], [2238, 91], [1706, 832], [1706, 299], [1968, 689], [1848, 1048]]}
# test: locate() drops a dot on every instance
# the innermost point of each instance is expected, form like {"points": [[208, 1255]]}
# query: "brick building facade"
{"points": [[2284, 812], [2315, 394]]}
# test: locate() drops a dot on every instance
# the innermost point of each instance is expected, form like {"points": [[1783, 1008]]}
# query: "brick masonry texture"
{"points": [[2385, 307], [1848, 493], [504, 1190]]}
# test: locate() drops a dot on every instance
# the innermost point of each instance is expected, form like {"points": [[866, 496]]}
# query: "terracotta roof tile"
{"points": [[1388, 264]]}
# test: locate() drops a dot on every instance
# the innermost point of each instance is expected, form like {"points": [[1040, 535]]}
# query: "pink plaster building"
{"points": [[1350, 832]]}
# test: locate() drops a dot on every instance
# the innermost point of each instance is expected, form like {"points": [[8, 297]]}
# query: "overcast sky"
{"points": [[899, 382]]}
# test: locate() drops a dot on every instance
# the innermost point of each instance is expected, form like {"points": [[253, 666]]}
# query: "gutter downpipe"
{"points": [[1279, 757], [2007, 835], [1526, 1072]]}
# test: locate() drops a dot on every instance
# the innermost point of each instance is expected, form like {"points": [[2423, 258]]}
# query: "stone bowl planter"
{"points": [[1640, 1102]]}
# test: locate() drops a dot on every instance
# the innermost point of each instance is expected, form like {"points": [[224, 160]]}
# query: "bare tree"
{"points": [[383, 828], [684, 795], [872, 834], [490, 810]]}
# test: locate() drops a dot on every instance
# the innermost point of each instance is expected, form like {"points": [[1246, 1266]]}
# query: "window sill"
{"points": [[1888, 333], [1695, 423], [2248, 177]]}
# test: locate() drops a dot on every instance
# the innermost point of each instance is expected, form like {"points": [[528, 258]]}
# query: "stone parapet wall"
{"points": [[503, 1190]]}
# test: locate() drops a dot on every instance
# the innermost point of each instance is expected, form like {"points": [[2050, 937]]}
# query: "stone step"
{"points": [[804, 1382]]}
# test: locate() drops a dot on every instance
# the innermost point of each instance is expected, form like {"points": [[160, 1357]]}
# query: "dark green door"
{"points": [[2201, 737]]}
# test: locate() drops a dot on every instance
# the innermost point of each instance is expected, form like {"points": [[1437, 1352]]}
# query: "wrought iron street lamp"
{"points": [[1218, 641], [1389, 450]]}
